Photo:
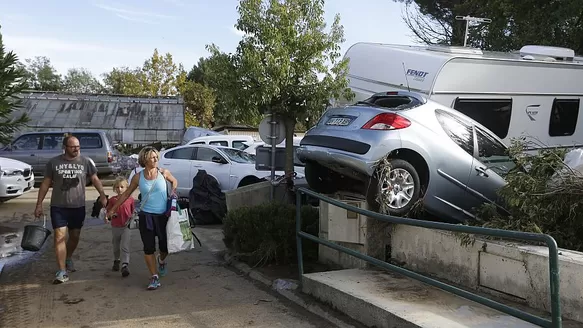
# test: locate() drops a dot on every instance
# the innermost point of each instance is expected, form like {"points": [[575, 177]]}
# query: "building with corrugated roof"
{"points": [[126, 119]]}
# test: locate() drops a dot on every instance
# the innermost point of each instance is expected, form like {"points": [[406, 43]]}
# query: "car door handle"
{"points": [[481, 171], [197, 165], [32, 155], [166, 164]]}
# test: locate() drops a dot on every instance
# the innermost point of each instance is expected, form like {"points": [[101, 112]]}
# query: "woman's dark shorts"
{"points": [[159, 222]]}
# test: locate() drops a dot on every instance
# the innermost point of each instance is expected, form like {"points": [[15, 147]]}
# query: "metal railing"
{"points": [[555, 322]]}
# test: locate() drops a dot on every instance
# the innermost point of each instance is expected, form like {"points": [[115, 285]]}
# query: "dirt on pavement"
{"points": [[199, 291]]}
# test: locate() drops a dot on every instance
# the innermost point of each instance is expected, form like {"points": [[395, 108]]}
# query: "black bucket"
{"points": [[34, 237]]}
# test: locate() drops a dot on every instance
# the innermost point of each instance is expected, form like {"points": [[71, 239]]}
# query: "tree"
{"points": [[197, 73], [12, 83], [81, 80], [281, 61], [514, 23], [222, 74], [124, 81], [159, 76], [42, 75], [200, 102], [433, 22]]}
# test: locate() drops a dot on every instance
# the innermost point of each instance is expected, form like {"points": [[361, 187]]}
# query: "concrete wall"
{"points": [[351, 230], [509, 270], [502, 269], [255, 194]]}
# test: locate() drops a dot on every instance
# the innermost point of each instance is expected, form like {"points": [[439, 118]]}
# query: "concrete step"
{"points": [[382, 299]]}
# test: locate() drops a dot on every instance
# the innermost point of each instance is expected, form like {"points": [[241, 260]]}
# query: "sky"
{"points": [[102, 34]]}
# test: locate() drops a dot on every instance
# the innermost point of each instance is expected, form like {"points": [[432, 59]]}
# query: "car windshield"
{"points": [[239, 156]]}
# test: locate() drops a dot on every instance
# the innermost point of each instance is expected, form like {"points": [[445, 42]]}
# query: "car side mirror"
{"points": [[218, 160]]}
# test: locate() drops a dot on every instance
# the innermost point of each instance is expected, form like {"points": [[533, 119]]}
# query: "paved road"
{"points": [[199, 291]]}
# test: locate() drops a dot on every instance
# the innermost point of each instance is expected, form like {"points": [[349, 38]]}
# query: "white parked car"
{"points": [[17, 178], [233, 168], [231, 141]]}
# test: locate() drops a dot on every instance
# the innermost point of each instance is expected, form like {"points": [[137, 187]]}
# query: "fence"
{"points": [[555, 322]]}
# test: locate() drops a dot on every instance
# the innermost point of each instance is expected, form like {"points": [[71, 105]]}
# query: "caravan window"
{"points": [[491, 113], [564, 116]]}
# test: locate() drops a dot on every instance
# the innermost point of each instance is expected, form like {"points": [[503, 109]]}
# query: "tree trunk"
{"points": [[290, 125]]}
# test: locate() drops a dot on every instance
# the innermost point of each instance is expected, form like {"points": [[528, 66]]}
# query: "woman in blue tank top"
{"points": [[154, 191]]}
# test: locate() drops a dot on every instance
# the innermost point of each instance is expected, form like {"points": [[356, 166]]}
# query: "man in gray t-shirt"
{"points": [[68, 175]]}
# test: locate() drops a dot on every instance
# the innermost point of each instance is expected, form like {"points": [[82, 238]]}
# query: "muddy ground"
{"points": [[199, 291]]}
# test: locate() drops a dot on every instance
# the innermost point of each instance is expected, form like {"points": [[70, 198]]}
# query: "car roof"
{"points": [[423, 102]]}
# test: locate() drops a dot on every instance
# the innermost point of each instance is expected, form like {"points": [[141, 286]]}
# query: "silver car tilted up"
{"points": [[436, 153]]}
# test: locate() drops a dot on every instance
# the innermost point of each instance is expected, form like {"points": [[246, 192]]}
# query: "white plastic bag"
{"points": [[574, 158], [102, 214], [178, 232]]}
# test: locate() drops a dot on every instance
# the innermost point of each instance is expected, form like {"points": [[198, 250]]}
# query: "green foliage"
{"points": [[12, 82], [200, 102], [222, 74], [124, 81], [198, 72], [287, 62], [543, 195], [266, 233], [81, 80], [159, 76], [41, 75], [514, 23]]}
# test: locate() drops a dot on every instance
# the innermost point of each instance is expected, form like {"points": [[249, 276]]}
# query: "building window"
{"points": [[564, 116], [494, 114]]}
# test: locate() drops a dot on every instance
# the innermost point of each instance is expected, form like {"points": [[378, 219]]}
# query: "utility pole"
{"points": [[469, 19]]}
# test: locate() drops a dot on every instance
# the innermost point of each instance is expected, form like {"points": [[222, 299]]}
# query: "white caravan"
{"points": [[534, 93]]}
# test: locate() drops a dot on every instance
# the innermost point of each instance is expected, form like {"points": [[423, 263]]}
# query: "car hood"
{"points": [[8, 163]]}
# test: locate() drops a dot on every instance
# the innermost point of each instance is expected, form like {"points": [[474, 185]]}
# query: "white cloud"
{"points": [[136, 19], [178, 3], [133, 15]]}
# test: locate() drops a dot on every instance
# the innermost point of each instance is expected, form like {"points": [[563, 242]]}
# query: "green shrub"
{"points": [[543, 195], [266, 233]]}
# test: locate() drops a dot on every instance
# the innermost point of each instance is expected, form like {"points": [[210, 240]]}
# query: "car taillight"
{"points": [[387, 121], [109, 157]]}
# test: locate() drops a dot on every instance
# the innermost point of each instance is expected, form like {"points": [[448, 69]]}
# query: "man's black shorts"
{"points": [[72, 218]]}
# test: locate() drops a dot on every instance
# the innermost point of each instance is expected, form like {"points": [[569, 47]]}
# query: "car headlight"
{"points": [[11, 172]]}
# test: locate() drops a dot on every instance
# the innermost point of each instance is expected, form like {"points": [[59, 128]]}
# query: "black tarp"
{"points": [[207, 202]]}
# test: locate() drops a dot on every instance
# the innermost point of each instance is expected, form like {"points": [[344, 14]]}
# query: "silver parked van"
{"points": [[36, 148]]}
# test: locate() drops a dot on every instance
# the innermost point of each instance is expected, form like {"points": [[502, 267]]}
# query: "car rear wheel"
{"points": [[320, 179], [399, 188]]}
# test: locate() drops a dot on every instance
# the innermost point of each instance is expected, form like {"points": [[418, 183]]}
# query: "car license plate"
{"points": [[339, 121]]}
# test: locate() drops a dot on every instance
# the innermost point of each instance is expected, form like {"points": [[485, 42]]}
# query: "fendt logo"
{"points": [[417, 75]]}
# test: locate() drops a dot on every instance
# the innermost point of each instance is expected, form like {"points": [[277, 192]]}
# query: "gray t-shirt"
{"points": [[69, 180]]}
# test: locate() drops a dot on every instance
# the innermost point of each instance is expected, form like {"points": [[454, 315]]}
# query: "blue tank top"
{"points": [[157, 201]]}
